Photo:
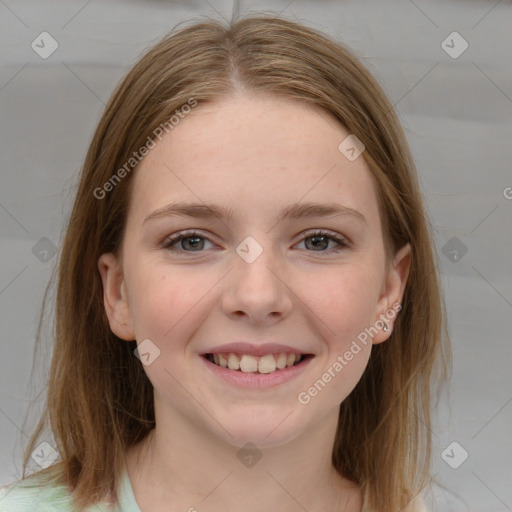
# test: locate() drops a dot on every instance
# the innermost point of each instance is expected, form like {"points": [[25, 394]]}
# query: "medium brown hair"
{"points": [[100, 401]]}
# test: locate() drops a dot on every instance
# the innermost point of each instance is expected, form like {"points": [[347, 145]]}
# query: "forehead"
{"points": [[253, 155]]}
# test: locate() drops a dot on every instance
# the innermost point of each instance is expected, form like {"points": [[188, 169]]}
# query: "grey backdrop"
{"points": [[456, 107]]}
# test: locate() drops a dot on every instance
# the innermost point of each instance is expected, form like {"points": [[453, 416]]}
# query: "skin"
{"points": [[254, 155]]}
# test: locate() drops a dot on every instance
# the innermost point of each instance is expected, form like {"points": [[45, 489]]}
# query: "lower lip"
{"points": [[255, 380]]}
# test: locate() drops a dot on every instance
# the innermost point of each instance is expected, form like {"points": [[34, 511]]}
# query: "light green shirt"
{"points": [[16, 498], [19, 498]]}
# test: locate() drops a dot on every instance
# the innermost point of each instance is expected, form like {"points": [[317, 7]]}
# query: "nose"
{"points": [[258, 290]]}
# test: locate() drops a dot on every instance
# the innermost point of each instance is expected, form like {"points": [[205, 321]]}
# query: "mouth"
{"points": [[246, 363]]}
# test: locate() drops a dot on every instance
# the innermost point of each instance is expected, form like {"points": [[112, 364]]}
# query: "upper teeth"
{"points": [[248, 363]]}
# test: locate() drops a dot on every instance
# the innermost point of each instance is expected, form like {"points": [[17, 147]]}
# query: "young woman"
{"points": [[249, 313]]}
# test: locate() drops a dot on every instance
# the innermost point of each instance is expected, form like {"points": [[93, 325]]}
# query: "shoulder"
{"points": [[32, 494], [418, 505]]}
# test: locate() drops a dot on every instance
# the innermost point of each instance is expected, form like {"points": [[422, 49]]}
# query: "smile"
{"points": [[253, 372], [253, 364]]}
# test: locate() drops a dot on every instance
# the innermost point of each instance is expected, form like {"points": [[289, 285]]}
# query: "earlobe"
{"points": [[390, 302], [115, 297]]}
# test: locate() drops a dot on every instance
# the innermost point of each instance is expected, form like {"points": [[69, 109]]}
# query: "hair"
{"points": [[100, 401]]}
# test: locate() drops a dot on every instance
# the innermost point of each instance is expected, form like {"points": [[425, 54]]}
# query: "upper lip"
{"points": [[251, 349]]}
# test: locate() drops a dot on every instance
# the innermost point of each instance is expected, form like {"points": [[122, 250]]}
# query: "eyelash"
{"points": [[174, 239]]}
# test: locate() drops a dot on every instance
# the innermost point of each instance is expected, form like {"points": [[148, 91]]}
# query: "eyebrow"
{"points": [[294, 211]]}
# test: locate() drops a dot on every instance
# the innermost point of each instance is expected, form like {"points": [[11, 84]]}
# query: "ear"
{"points": [[115, 297], [389, 303]]}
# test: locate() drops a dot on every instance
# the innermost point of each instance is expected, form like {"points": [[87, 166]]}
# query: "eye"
{"points": [[320, 239], [191, 240]]}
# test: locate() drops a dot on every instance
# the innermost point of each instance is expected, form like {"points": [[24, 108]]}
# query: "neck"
{"points": [[178, 467]]}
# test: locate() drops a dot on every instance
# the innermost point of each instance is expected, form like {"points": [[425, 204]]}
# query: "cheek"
{"points": [[344, 301], [344, 308], [169, 304], [167, 310]]}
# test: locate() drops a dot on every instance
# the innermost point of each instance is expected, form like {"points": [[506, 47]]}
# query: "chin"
{"points": [[263, 434]]}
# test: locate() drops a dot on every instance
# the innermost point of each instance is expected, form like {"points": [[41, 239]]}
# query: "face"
{"points": [[312, 283]]}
